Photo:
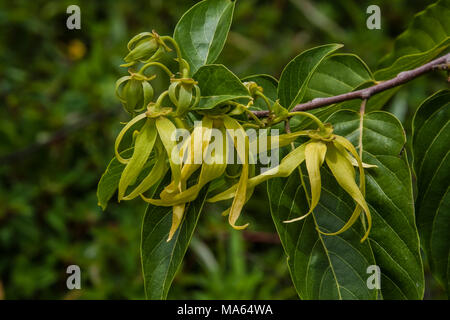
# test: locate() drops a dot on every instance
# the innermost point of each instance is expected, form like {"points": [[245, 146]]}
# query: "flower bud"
{"points": [[135, 92], [145, 47], [181, 94], [143, 50], [253, 88]]}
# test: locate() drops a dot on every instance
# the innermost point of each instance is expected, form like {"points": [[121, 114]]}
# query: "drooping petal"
{"points": [[284, 169], [199, 141], [177, 216], [142, 149], [157, 172], [211, 169], [276, 141], [344, 173], [353, 161], [242, 151], [121, 135], [209, 172], [314, 156], [362, 178], [191, 150], [166, 130]]}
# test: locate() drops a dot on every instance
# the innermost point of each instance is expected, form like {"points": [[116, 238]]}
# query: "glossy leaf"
{"points": [[202, 31], [296, 75], [337, 74], [431, 145], [161, 258], [335, 267], [427, 37], [217, 85]]}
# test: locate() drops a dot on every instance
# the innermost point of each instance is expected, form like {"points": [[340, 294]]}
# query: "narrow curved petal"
{"points": [[143, 146], [121, 135], [166, 131], [284, 169], [177, 216], [343, 171], [314, 156], [362, 180], [353, 161], [156, 174], [242, 151], [210, 170]]}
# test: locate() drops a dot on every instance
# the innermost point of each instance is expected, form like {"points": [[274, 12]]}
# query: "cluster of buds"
{"points": [[136, 92]]}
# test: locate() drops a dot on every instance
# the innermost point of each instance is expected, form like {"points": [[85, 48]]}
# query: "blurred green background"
{"points": [[59, 118]]}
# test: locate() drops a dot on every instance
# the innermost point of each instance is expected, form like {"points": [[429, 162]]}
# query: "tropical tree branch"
{"points": [[441, 63]]}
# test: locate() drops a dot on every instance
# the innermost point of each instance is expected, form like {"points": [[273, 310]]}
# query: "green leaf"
{"points": [[162, 259], [394, 237], [270, 87], [431, 145], [296, 75], [202, 31], [337, 74], [335, 267], [321, 267], [427, 36], [109, 182], [217, 85]]}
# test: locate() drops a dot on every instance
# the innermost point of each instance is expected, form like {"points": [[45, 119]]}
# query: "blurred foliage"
{"points": [[59, 117]]}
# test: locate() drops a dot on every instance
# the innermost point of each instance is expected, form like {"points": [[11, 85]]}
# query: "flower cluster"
{"points": [[157, 119]]}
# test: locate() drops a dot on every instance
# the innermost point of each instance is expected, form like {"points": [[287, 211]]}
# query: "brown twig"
{"points": [[366, 93]]}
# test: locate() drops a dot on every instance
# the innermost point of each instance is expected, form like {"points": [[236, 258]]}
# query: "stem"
{"points": [[160, 100], [249, 112], [401, 78], [269, 107], [177, 50], [154, 63], [311, 116]]}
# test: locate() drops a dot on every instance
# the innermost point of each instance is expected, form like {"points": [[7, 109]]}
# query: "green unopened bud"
{"points": [[135, 92], [181, 93], [143, 50], [253, 88], [145, 47]]}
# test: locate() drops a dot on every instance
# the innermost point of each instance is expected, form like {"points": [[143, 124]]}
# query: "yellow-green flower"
{"points": [[324, 146], [153, 139], [212, 167]]}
